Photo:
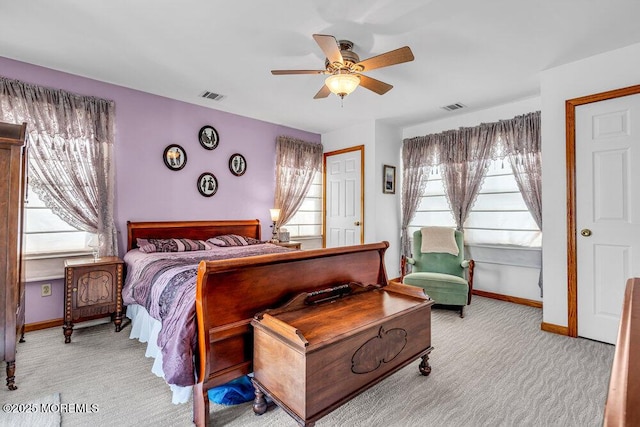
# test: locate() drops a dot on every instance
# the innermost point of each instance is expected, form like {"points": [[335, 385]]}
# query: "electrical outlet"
{"points": [[46, 290]]}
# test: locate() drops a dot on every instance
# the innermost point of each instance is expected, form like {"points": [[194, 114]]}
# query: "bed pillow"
{"points": [[172, 245], [233, 240]]}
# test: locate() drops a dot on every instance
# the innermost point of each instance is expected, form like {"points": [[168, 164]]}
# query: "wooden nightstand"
{"points": [[92, 289], [290, 244]]}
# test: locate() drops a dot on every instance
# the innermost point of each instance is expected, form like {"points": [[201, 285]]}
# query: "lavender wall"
{"points": [[42, 309], [145, 124]]}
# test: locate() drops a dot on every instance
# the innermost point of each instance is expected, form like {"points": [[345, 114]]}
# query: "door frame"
{"points": [[572, 259], [324, 190]]}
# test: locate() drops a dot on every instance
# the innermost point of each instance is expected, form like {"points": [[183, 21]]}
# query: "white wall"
{"points": [[388, 147], [517, 276], [611, 70], [381, 146], [474, 118]]}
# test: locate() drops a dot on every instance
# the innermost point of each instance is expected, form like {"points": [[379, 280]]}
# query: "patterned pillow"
{"points": [[172, 245], [233, 240]]}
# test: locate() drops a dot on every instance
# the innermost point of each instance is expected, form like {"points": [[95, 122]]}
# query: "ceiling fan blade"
{"points": [[329, 46], [374, 85], [323, 92], [282, 72], [392, 57]]}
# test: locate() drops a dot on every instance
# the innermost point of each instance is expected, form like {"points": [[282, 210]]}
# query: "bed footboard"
{"points": [[229, 293]]}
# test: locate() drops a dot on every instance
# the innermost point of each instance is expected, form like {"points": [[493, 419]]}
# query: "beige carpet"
{"points": [[492, 368], [42, 412]]}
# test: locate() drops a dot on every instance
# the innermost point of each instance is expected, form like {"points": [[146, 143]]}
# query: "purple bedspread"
{"points": [[164, 283]]}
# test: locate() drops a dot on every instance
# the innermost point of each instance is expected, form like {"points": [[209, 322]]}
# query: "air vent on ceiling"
{"points": [[454, 107], [212, 95]]}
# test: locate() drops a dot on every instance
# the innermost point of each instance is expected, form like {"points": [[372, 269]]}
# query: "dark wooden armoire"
{"points": [[12, 195]]}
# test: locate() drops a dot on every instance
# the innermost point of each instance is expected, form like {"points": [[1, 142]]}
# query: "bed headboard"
{"points": [[190, 229]]}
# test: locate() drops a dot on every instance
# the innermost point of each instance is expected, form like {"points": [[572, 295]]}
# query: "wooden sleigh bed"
{"points": [[230, 292]]}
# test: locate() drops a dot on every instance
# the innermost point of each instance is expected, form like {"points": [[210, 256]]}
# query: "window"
{"points": [[498, 216], [46, 233], [307, 221]]}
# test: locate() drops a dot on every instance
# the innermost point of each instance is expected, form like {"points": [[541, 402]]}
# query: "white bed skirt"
{"points": [[145, 328]]}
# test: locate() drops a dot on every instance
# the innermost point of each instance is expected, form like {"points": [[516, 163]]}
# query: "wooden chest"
{"points": [[311, 357]]}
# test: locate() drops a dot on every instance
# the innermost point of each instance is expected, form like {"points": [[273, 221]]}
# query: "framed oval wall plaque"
{"points": [[174, 157], [207, 184], [208, 137], [237, 164]]}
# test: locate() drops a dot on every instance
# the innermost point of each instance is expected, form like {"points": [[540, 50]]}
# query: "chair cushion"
{"points": [[436, 280], [441, 288]]}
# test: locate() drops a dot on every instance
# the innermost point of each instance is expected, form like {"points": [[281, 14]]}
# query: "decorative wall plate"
{"points": [[207, 184], [237, 164], [208, 137], [174, 157]]}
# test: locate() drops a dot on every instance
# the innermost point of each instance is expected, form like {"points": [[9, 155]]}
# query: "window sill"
{"points": [[518, 256], [500, 246], [49, 266], [50, 255]]}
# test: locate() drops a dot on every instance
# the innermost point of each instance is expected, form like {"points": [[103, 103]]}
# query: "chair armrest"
{"points": [[403, 262], [470, 264]]}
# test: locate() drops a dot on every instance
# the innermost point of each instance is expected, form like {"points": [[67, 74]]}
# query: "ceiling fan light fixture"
{"points": [[342, 84]]}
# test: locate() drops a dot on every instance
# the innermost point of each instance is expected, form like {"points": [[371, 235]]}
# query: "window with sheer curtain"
{"points": [[485, 180], [71, 176], [307, 221], [499, 215], [298, 185], [46, 234]]}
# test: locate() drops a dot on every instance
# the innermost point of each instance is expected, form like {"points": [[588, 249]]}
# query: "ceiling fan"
{"points": [[344, 67]]}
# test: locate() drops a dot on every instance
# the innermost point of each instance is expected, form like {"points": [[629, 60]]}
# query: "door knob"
{"points": [[585, 232], [356, 223]]}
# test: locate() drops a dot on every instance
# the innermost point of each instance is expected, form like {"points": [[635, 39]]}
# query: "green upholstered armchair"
{"points": [[441, 274]]}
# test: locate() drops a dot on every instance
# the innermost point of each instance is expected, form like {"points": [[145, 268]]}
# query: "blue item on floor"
{"points": [[234, 392]]}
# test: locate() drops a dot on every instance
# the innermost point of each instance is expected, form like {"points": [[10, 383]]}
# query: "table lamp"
{"points": [[275, 215]]}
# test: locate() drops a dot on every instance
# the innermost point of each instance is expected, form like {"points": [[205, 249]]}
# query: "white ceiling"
{"points": [[477, 52]]}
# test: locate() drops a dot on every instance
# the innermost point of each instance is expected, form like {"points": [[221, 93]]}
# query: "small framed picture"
{"points": [[174, 157], [208, 137], [237, 164], [207, 184], [389, 179]]}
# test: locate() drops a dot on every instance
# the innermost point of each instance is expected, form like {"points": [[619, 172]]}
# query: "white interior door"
{"points": [[607, 211], [343, 214]]}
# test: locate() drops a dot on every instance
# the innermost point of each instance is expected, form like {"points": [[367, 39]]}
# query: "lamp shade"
{"points": [[275, 214], [342, 84]]}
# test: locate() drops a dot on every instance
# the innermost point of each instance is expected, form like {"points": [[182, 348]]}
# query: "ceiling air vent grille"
{"points": [[212, 95], [454, 107]]}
